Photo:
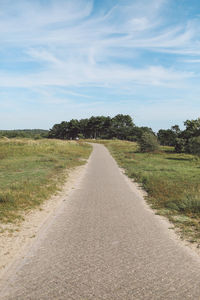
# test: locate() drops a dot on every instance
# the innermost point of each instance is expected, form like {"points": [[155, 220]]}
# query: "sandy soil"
{"points": [[15, 240]]}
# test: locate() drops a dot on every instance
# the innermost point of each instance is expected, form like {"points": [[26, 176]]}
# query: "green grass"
{"points": [[31, 171], [171, 180]]}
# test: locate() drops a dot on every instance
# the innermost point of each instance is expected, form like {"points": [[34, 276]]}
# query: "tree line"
{"points": [[100, 127], [119, 127], [24, 133], [187, 140], [122, 127]]}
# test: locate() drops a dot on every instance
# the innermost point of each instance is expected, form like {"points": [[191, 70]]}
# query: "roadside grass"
{"points": [[171, 180], [33, 170]]}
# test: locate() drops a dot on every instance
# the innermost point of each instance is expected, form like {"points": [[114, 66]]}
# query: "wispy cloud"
{"points": [[64, 44], [68, 40]]}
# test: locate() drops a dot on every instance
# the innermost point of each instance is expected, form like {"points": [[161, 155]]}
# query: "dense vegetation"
{"points": [[120, 127], [24, 133], [148, 142], [187, 141]]}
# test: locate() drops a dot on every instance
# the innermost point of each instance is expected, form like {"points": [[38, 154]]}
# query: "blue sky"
{"points": [[64, 59]]}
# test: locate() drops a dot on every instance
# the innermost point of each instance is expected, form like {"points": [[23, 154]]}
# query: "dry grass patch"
{"points": [[32, 170]]}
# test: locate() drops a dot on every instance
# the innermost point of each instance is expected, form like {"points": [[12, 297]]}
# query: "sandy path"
{"points": [[104, 243], [13, 244]]}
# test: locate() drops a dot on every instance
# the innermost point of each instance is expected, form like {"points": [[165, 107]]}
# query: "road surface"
{"points": [[104, 243]]}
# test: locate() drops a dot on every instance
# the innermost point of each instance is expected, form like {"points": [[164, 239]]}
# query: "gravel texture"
{"points": [[104, 243]]}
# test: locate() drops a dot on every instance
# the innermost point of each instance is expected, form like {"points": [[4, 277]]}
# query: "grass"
{"points": [[171, 180], [33, 170]]}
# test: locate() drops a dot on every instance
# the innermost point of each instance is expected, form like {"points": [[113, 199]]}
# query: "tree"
{"points": [[185, 141], [193, 145], [148, 142], [73, 128], [97, 126], [121, 126], [180, 145], [192, 128], [55, 131], [106, 128], [167, 137], [137, 132], [83, 128], [176, 129]]}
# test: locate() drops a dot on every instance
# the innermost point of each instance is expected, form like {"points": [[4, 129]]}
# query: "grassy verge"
{"points": [[31, 171], [171, 180]]}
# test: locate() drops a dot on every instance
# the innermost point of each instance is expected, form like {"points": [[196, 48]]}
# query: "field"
{"points": [[171, 180], [33, 170]]}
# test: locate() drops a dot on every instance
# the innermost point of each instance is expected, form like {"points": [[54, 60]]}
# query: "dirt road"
{"points": [[104, 243]]}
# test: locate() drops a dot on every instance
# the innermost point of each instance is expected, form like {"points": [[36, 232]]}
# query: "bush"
{"points": [[190, 204], [37, 137], [148, 142], [80, 136], [180, 145], [193, 145]]}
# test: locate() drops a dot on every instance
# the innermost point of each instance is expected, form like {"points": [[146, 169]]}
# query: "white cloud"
{"points": [[75, 48], [192, 61], [79, 73], [69, 44]]}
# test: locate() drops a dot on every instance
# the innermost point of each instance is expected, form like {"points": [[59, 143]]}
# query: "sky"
{"points": [[64, 59]]}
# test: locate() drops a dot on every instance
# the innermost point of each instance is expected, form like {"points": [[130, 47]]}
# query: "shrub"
{"points": [[190, 204], [148, 142], [193, 145], [37, 137], [180, 144], [80, 136]]}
